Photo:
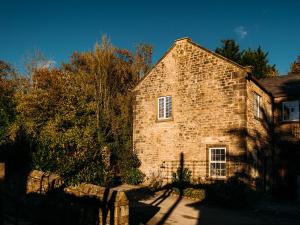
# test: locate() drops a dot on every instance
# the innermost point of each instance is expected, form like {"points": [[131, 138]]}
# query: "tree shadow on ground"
{"points": [[143, 212]]}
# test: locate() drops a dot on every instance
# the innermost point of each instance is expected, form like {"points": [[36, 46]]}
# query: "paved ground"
{"points": [[162, 208]]}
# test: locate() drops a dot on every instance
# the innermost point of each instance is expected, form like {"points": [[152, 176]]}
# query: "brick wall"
{"points": [[209, 110]]}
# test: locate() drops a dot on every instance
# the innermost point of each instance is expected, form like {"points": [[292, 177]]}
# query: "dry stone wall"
{"points": [[47, 201], [115, 203], [41, 183]]}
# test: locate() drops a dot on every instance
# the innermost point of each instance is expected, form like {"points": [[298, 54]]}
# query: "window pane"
{"points": [[294, 114], [290, 110], [213, 151], [161, 104], [286, 113], [223, 157], [212, 169], [222, 166], [223, 173], [168, 106]]}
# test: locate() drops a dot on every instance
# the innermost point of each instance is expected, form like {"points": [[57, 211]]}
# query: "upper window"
{"points": [[290, 111], [165, 107], [257, 105], [217, 162]]}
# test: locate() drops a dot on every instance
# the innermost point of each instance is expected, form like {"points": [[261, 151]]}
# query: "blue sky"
{"points": [[58, 28]]}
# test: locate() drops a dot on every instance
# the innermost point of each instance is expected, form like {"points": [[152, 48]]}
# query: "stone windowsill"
{"points": [[164, 120]]}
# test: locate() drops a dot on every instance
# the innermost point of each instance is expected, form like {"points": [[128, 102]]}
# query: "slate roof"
{"points": [[284, 85]]}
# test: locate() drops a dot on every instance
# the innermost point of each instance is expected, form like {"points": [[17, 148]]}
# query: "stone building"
{"points": [[207, 110], [286, 132]]}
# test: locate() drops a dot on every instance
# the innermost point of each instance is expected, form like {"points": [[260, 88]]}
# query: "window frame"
{"points": [[282, 111], [164, 108], [257, 112], [217, 161]]}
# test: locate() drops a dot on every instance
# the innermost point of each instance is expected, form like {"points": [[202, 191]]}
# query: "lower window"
{"points": [[217, 162]]}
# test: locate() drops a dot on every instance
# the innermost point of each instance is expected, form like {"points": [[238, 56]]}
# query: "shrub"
{"points": [[155, 181], [182, 177], [133, 176], [193, 193]]}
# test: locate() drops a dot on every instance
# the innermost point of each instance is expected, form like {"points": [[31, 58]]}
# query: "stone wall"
{"points": [[39, 182], [209, 110], [289, 129], [286, 153], [115, 208], [47, 201], [259, 134]]}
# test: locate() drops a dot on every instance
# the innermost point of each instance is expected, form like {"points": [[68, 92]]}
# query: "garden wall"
{"points": [[45, 200]]}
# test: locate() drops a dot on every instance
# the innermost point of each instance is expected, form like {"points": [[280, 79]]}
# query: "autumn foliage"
{"points": [[78, 118]]}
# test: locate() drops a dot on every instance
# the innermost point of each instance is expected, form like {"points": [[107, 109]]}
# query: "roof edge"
{"points": [[158, 61], [256, 81], [246, 68]]}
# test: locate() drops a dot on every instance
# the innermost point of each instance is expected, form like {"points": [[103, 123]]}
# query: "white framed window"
{"points": [[217, 162], [257, 105], [165, 107], [290, 111]]}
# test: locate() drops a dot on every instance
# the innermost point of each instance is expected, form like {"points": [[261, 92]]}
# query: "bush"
{"points": [[133, 176], [193, 193], [182, 177], [155, 181]]}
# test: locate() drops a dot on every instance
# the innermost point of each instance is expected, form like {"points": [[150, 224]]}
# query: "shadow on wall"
{"points": [[287, 143], [272, 159]]}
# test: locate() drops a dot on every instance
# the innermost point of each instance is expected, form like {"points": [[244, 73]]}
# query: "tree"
{"points": [[143, 58], [7, 101], [257, 59], [77, 114], [230, 50], [259, 62], [36, 60], [295, 67]]}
